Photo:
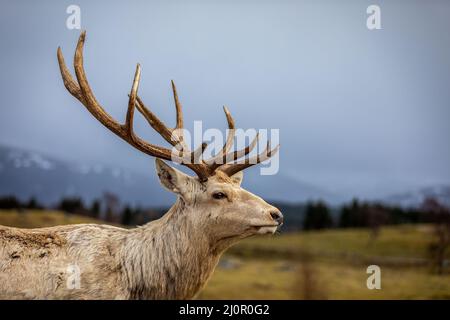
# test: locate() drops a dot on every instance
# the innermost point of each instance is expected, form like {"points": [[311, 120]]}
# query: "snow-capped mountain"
{"points": [[28, 174]]}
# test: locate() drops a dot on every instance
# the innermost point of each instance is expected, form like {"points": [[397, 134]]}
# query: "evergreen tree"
{"points": [[95, 209], [317, 216], [127, 216]]}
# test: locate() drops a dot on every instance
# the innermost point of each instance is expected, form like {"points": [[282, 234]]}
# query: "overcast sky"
{"points": [[360, 112]]}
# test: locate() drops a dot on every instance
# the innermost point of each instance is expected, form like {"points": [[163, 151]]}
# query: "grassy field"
{"points": [[403, 242], [328, 264], [272, 279]]}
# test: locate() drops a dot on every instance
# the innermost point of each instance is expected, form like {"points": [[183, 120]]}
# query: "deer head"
{"points": [[213, 199]]}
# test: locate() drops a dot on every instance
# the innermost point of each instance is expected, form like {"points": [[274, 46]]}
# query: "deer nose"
{"points": [[277, 216]]}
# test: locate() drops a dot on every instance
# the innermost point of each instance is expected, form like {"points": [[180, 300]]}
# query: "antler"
{"points": [[81, 90]]}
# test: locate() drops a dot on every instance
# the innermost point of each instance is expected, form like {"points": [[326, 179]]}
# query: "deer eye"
{"points": [[219, 195]]}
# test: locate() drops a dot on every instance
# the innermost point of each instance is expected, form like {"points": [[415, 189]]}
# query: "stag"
{"points": [[169, 258]]}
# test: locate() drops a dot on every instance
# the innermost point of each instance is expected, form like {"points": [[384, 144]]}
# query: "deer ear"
{"points": [[171, 178], [237, 177]]}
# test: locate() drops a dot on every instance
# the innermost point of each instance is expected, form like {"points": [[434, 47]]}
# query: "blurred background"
{"points": [[363, 117]]}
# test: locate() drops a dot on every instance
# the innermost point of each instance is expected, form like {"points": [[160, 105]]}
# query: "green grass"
{"points": [[404, 241], [328, 264]]}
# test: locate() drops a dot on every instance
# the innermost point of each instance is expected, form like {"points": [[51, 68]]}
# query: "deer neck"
{"points": [[169, 258]]}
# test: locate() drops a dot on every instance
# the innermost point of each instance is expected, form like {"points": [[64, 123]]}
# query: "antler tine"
{"points": [[173, 136], [235, 155], [243, 152], [217, 159], [197, 153], [132, 102], [230, 137], [232, 168], [90, 102], [68, 80], [179, 124], [155, 122]]}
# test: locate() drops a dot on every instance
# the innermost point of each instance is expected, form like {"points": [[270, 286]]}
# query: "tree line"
{"points": [[313, 215], [107, 208], [360, 214]]}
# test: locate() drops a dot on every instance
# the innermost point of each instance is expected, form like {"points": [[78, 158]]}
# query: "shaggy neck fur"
{"points": [[168, 258]]}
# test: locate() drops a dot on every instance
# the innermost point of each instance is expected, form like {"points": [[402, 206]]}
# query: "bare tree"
{"points": [[376, 217], [112, 206], [307, 285], [439, 215]]}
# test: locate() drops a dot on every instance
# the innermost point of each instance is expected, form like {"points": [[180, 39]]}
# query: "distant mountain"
{"points": [[415, 198], [26, 173]]}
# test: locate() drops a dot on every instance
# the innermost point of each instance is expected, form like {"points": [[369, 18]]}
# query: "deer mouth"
{"points": [[265, 225], [266, 228]]}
